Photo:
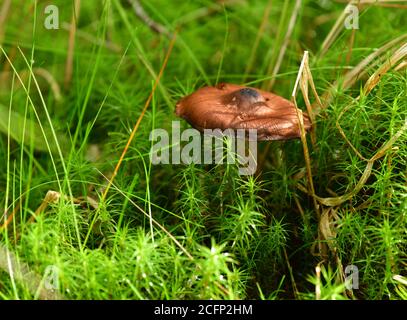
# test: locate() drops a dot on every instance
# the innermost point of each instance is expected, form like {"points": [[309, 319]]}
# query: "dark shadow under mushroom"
{"points": [[231, 106]]}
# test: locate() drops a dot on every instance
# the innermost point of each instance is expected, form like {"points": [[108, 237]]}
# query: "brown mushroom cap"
{"points": [[231, 106]]}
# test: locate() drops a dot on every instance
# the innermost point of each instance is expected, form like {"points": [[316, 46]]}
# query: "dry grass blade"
{"points": [[342, 133], [401, 66], [9, 217], [327, 226], [303, 78], [372, 2], [306, 80], [301, 210], [290, 269], [361, 69], [3, 17], [303, 81], [307, 157], [340, 21], [71, 45], [327, 231], [351, 44], [335, 31], [284, 46], [374, 79], [133, 132], [336, 201], [370, 84], [400, 279], [318, 283], [263, 24]]}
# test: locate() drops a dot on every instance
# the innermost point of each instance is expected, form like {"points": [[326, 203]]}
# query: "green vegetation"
{"points": [[215, 234]]}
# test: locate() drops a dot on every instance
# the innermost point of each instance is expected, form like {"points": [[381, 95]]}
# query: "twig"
{"points": [[153, 25]]}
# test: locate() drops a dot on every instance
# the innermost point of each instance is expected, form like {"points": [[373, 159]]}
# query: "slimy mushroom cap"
{"points": [[232, 106]]}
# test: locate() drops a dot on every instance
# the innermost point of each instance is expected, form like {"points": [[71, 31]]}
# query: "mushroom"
{"points": [[232, 106]]}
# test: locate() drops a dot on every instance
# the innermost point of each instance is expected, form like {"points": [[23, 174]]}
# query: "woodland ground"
{"points": [[69, 102]]}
